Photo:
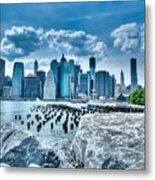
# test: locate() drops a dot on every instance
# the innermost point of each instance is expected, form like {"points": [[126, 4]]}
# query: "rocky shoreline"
{"points": [[102, 141]]}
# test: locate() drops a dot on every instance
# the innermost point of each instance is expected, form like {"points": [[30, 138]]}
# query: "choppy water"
{"points": [[48, 136]]}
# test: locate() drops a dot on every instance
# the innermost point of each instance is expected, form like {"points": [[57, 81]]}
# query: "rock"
{"points": [[21, 149], [110, 141]]}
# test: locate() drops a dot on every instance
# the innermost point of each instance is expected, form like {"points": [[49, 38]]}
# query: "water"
{"points": [[47, 136]]}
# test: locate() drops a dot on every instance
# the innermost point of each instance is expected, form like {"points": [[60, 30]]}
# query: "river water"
{"points": [[10, 109]]}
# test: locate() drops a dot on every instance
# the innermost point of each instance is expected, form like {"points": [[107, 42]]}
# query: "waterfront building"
{"points": [[41, 77], [50, 87], [17, 80], [102, 84], [77, 73], [64, 78], [2, 74], [133, 68], [31, 87], [35, 67], [84, 83], [92, 66]]}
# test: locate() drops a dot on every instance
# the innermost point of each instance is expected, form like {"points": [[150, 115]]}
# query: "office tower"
{"points": [[54, 67], [133, 66], [2, 74], [17, 79], [35, 67], [92, 66], [77, 73], [122, 79], [122, 88], [31, 87], [112, 86], [7, 81], [50, 87], [41, 77], [84, 83], [102, 84], [64, 78], [71, 77], [7, 91]]}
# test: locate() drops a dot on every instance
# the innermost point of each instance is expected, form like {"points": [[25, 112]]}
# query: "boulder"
{"points": [[110, 141]]}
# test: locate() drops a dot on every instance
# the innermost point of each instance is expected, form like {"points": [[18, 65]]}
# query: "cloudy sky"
{"points": [[113, 32]]}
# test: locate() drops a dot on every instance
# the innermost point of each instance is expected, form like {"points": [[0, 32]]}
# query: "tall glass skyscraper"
{"points": [[41, 77], [50, 87], [17, 79], [31, 87], [2, 74], [64, 78], [103, 84], [35, 67], [71, 76], [54, 67], [77, 73], [84, 83], [133, 66], [92, 66]]}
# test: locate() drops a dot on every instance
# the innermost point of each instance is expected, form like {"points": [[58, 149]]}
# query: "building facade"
{"points": [[18, 80], [134, 80], [2, 74], [50, 87], [31, 87]]}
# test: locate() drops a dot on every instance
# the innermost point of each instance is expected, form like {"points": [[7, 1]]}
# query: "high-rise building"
{"points": [[112, 86], [133, 66], [54, 67], [84, 83], [122, 83], [41, 77], [2, 74], [77, 73], [122, 79], [64, 78], [7, 90], [103, 84], [17, 79], [31, 87], [35, 67], [71, 77], [92, 66], [50, 87]]}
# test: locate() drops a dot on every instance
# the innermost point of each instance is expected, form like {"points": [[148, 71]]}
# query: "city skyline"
{"points": [[67, 80], [75, 34]]}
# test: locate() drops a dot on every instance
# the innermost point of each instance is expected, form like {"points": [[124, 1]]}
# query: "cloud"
{"points": [[77, 43], [129, 37], [22, 41]]}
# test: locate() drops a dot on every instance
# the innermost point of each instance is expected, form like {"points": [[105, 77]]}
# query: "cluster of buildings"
{"points": [[65, 80]]}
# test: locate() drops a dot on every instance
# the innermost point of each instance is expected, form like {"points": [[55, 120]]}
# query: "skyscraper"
{"points": [[122, 79], [41, 77], [17, 79], [71, 76], [92, 66], [84, 83], [122, 88], [64, 78], [50, 87], [112, 86], [2, 74], [133, 66], [35, 67], [31, 87], [54, 67], [103, 84], [77, 73]]}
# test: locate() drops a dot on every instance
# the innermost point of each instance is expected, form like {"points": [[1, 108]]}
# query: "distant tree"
{"points": [[137, 97]]}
